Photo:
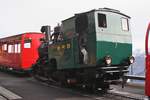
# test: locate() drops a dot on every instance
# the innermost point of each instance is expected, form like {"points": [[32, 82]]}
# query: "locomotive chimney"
{"points": [[47, 31]]}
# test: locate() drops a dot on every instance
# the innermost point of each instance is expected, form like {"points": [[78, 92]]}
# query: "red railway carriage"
{"points": [[147, 49], [19, 52]]}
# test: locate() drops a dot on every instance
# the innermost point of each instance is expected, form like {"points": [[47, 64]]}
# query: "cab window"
{"points": [[125, 24], [102, 22]]}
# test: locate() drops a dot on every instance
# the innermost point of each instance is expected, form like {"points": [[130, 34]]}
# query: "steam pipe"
{"points": [[47, 31]]}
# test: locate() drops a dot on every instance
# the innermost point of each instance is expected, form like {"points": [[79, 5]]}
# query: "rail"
{"points": [[134, 77]]}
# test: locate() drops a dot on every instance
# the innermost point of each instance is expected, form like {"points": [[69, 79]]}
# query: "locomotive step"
{"points": [[113, 67]]}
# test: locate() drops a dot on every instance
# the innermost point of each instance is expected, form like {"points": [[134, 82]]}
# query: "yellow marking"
{"points": [[58, 48], [92, 59], [68, 46], [63, 46]]}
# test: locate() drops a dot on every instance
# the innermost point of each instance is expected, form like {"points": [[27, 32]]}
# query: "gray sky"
{"points": [[18, 16]]}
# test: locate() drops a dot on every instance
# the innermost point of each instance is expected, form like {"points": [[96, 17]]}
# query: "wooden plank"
{"points": [[8, 94]]}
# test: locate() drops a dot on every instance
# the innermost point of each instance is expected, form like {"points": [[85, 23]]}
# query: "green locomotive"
{"points": [[89, 49]]}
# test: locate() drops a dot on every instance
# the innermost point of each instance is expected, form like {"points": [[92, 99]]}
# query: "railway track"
{"points": [[113, 94], [125, 95]]}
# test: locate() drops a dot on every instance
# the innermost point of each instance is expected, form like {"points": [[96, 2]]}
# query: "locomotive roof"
{"points": [[112, 10], [101, 9]]}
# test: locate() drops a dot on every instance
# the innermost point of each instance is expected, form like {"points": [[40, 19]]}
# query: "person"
{"points": [[60, 37], [104, 23], [85, 55], [55, 35]]}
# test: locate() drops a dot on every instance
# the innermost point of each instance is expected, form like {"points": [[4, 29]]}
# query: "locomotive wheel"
{"points": [[63, 80], [64, 84], [91, 88], [35, 73], [34, 70]]}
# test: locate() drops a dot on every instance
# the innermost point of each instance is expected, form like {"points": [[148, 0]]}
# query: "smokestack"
{"points": [[47, 31]]}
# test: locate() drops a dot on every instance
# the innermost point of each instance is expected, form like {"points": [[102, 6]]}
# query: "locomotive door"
{"points": [[81, 28], [147, 51]]}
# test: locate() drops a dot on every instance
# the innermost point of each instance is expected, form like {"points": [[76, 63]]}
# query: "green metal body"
{"points": [[100, 42]]}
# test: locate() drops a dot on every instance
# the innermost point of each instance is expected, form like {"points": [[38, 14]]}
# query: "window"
{"points": [[102, 20], [125, 24], [4, 47], [19, 48], [13, 48], [16, 48], [10, 48], [27, 45]]}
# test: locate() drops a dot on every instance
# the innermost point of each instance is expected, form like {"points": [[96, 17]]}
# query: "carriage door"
{"points": [[27, 53], [81, 28], [147, 51]]}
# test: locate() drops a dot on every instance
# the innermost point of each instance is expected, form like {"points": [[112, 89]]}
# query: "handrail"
{"points": [[146, 39]]}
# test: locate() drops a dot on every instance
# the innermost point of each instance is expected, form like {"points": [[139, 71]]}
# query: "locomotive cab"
{"points": [[93, 36], [113, 37]]}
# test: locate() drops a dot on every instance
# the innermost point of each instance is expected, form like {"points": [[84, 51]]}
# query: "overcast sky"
{"points": [[18, 16]]}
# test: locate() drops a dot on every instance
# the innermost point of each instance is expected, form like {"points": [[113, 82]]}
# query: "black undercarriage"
{"points": [[95, 78]]}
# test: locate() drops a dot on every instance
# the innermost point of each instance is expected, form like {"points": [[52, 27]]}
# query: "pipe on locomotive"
{"points": [[47, 30]]}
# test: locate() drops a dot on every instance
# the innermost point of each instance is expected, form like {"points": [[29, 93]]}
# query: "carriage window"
{"points": [[102, 20], [27, 45], [125, 24], [19, 48], [10, 48], [4, 47], [16, 48], [13, 48]]}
